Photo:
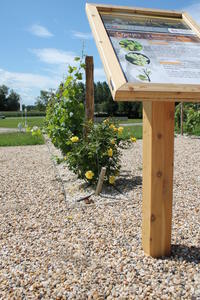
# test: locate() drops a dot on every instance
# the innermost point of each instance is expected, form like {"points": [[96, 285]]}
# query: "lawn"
{"points": [[13, 122], [20, 139], [130, 121], [135, 131]]}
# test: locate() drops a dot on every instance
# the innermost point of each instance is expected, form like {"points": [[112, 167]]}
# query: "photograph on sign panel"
{"points": [[154, 49]]}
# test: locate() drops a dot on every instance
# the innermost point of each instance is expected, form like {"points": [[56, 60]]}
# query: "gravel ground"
{"points": [[52, 247]]}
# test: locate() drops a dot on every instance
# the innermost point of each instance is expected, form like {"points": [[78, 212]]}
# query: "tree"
{"points": [[13, 101], [42, 100], [9, 100], [3, 95]]}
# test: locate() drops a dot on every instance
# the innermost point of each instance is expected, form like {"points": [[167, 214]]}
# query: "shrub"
{"points": [[65, 111], [191, 117], [100, 149], [84, 154], [193, 120]]}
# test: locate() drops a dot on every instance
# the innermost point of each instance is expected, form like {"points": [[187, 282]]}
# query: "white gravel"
{"points": [[56, 248]]}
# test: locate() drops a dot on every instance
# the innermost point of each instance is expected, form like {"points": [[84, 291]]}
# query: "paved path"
{"points": [[131, 124], [5, 130]]}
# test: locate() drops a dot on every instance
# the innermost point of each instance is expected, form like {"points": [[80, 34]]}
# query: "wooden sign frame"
{"points": [[158, 126], [120, 88]]}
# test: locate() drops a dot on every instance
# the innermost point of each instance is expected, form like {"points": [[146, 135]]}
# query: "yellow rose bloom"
{"points": [[115, 129], [112, 126], [120, 129], [133, 139], [89, 175], [113, 142], [110, 152], [106, 121], [74, 139], [111, 179]]}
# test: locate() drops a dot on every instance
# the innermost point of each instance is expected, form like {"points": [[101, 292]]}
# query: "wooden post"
{"points": [[100, 181], [158, 152], [89, 73], [181, 118]]}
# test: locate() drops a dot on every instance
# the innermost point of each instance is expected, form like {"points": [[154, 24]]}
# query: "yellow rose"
{"points": [[113, 142], [133, 139], [74, 139], [112, 126], [111, 179], [120, 129], [106, 121], [115, 129], [89, 175], [110, 152]]}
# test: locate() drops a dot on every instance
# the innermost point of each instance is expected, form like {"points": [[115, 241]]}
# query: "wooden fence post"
{"points": [[89, 74]]}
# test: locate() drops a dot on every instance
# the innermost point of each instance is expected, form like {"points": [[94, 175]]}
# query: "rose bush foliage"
{"points": [[85, 154]]}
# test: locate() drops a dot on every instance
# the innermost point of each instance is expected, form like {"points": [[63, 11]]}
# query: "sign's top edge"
{"points": [[114, 8]]}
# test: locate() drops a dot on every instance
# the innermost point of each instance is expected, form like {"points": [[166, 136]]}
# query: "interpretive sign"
{"points": [[151, 51], [151, 56], [154, 49]]}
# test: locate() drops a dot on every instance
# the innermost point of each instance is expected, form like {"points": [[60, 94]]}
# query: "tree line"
{"points": [[104, 104], [9, 99]]}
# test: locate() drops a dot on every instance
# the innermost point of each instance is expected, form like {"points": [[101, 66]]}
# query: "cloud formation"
{"points": [[40, 31], [27, 84], [82, 35], [54, 56]]}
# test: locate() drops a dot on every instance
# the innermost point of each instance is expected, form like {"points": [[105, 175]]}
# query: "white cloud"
{"points": [[99, 74], [54, 56], [194, 11], [82, 35], [40, 31], [27, 85]]}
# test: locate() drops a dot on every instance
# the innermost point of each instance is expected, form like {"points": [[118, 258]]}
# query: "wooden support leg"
{"points": [[158, 152]]}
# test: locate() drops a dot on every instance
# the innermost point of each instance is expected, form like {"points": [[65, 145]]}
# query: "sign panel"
{"points": [[147, 54], [154, 49]]}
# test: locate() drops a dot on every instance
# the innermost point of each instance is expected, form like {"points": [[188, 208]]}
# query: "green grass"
{"points": [[135, 131], [20, 139], [131, 121], [13, 122]]}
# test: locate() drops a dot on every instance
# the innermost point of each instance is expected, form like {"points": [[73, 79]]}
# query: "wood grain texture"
{"points": [[137, 10], [158, 92], [158, 152], [89, 97], [111, 65]]}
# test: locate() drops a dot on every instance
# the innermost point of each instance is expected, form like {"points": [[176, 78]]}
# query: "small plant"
{"points": [[145, 76], [100, 149], [193, 120]]}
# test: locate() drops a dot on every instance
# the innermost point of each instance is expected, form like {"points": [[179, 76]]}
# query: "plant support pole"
{"points": [[100, 181], [89, 74]]}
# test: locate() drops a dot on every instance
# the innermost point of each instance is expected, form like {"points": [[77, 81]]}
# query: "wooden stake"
{"points": [[89, 72], [181, 118], [158, 150], [100, 181]]}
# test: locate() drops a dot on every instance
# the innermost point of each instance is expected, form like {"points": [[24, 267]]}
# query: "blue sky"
{"points": [[39, 38]]}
